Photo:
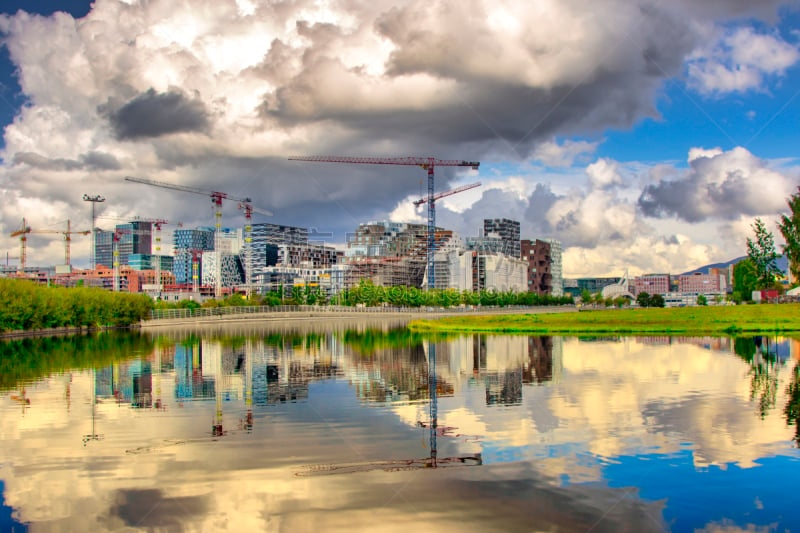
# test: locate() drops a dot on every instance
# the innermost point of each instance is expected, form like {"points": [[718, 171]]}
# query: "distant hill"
{"points": [[782, 262]]}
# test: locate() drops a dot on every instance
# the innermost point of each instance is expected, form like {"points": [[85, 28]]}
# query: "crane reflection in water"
{"points": [[397, 465]]}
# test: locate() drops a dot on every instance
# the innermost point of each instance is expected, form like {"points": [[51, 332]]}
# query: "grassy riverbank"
{"points": [[721, 320]]}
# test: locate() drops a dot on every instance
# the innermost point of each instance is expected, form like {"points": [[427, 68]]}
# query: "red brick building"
{"points": [[537, 255]]}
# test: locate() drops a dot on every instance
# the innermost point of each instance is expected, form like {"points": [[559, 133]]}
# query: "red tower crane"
{"points": [[25, 230], [426, 163], [115, 238], [440, 195], [216, 198]]}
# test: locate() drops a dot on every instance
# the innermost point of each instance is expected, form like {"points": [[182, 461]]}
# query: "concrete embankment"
{"points": [[330, 317]]}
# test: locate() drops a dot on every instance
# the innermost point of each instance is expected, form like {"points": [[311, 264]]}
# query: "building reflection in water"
{"points": [[272, 370], [129, 382]]}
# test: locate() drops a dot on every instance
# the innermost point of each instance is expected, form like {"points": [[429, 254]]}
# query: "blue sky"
{"points": [[645, 136], [691, 119]]}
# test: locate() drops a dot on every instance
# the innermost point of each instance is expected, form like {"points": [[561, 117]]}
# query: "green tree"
{"points": [[702, 300], [298, 297], [761, 252], [643, 299], [310, 295], [744, 280], [790, 229], [586, 296], [657, 300]]}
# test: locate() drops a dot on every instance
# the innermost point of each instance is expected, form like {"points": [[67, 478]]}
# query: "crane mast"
{"points": [[22, 233], [249, 209], [426, 163]]}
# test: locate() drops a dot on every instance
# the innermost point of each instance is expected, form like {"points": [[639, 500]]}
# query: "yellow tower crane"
{"points": [[25, 230]]}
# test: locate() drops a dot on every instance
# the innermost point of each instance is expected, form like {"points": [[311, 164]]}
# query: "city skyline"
{"points": [[644, 137]]}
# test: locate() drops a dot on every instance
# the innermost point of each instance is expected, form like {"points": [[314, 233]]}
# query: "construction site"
{"points": [[260, 258]]}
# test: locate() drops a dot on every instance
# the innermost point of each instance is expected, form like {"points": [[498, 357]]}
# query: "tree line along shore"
{"points": [[28, 306]]}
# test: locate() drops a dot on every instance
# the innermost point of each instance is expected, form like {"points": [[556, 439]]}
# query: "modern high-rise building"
{"points": [[231, 269], [266, 238], [556, 269], [189, 246], [390, 253], [148, 261], [507, 230], [103, 248], [201, 239], [134, 238], [386, 239], [182, 266]]}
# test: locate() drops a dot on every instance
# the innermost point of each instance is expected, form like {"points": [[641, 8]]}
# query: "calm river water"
{"points": [[369, 428]]}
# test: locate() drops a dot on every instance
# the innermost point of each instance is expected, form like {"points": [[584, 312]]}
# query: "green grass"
{"points": [[723, 320]]}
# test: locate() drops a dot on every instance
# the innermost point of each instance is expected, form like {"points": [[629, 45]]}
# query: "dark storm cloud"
{"points": [[491, 498], [496, 203], [90, 161], [670, 198], [488, 113], [35, 160], [486, 117], [764, 9], [539, 202], [333, 198], [153, 114], [100, 161], [722, 185], [149, 508]]}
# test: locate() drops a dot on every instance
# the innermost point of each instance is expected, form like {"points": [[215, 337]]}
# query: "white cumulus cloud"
{"points": [[739, 61]]}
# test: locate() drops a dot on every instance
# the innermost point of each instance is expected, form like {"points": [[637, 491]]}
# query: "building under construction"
{"points": [[390, 253]]}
